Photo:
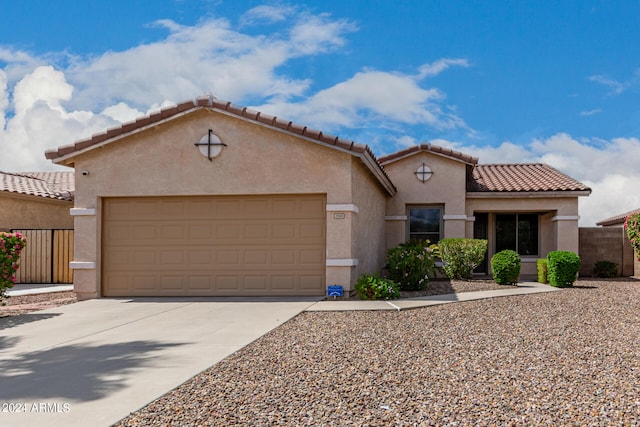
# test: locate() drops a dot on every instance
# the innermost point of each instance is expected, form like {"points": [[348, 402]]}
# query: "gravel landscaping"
{"points": [[21, 304], [559, 358]]}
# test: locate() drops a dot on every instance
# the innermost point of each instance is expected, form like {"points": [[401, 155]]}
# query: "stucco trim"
{"points": [[82, 265], [524, 194], [82, 211], [395, 218], [346, 207], [566, 218], [342, 262], [455, 217]]}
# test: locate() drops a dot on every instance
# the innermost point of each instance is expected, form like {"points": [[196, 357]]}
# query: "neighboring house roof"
{"points": [[618, 219], [62, 153], [51, 185], [534, 177], [445, 152]]}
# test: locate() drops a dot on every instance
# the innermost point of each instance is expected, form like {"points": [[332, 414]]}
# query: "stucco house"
{"points": [[37, 204], [208, 198]]}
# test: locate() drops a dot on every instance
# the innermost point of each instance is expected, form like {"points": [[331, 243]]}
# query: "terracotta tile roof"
{"points": [[215, 104], [446, 152], [360, 150], [51, 185], [618, 219], [534, 177]]}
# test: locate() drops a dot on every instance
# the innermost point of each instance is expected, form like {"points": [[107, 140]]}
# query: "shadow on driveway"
{"points": [[12, 321], [74, 372]]}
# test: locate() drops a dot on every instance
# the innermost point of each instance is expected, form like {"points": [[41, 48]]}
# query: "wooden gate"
{"points": [[46, 257]]}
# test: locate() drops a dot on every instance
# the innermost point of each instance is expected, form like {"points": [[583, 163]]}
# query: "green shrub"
{"points": [[563, 268], [606, 269], [632, 226], [542, 265], [410, 264], [374, 287], [460, 256], [11, 244], [505, 266]]}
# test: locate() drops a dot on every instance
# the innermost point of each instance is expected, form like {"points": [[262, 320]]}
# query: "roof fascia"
{"points": [[525, 194], [63, 160], [35, 198], [388, 162]]}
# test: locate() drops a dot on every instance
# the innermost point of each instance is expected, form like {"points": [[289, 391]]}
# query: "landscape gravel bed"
{"points": [[20, 304], [558, 358]]}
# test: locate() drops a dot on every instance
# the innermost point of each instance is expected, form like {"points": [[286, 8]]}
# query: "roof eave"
{"points": [[526, 194]]}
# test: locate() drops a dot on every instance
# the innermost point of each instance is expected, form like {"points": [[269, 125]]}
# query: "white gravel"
{"points": [[552, 359]]}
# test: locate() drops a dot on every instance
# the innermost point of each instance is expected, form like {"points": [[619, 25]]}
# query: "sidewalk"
{"points": [[38, 288], [523, 288]]}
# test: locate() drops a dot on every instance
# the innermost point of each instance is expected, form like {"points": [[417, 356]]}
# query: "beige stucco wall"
{"points": [[558, 222], [446, 188], [369, 236], [257, 160], [32, 212]]}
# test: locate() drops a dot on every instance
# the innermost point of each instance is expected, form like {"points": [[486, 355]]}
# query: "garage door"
{"points": [[214, 246]]}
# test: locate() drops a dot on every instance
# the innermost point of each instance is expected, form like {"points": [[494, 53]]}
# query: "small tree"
{"points": [[632, 225], [11, 244]]}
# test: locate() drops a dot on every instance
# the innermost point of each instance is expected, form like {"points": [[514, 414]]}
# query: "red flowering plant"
{"points": [[11, 244], [632, 225]]}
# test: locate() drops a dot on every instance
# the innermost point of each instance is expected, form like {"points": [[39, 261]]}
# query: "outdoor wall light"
{"points": [[210, 145], [423, 173]]}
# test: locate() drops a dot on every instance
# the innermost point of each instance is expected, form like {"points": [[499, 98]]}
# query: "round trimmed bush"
{"points": [[563, 268], [505, 266]]}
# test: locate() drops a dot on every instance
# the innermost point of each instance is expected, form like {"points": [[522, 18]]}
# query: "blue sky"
{"points": [[507, 81]]}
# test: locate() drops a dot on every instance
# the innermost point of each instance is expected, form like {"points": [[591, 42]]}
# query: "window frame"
{"points": [[412, 235], [517, 232]]}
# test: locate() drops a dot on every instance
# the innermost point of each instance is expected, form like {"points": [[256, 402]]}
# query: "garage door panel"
{"points": [[173, 282], [311, 282], [249, 245], [199, 283], [284, 282], [229, 283]]}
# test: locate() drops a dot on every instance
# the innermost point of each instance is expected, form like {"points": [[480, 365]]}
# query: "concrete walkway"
{"points": [[31, 289], [405, 304]]}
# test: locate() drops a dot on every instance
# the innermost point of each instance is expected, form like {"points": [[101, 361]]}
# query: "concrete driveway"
{"points": [[94, 362]]}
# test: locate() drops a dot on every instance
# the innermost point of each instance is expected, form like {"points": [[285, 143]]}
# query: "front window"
{"points": [[518, 232], [425, 223]]}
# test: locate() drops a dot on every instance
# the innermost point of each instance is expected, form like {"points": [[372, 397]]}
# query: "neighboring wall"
{"points": [[605, 244], [19, 211]]}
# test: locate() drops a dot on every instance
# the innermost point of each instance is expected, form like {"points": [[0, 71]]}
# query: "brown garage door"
{"points": [[214, 246]]}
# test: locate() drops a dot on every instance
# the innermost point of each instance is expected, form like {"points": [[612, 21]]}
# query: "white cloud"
{"points": [[371, 98], [39, 121], [265, 14], [591, 112], [616, 87], [435, 68]]}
